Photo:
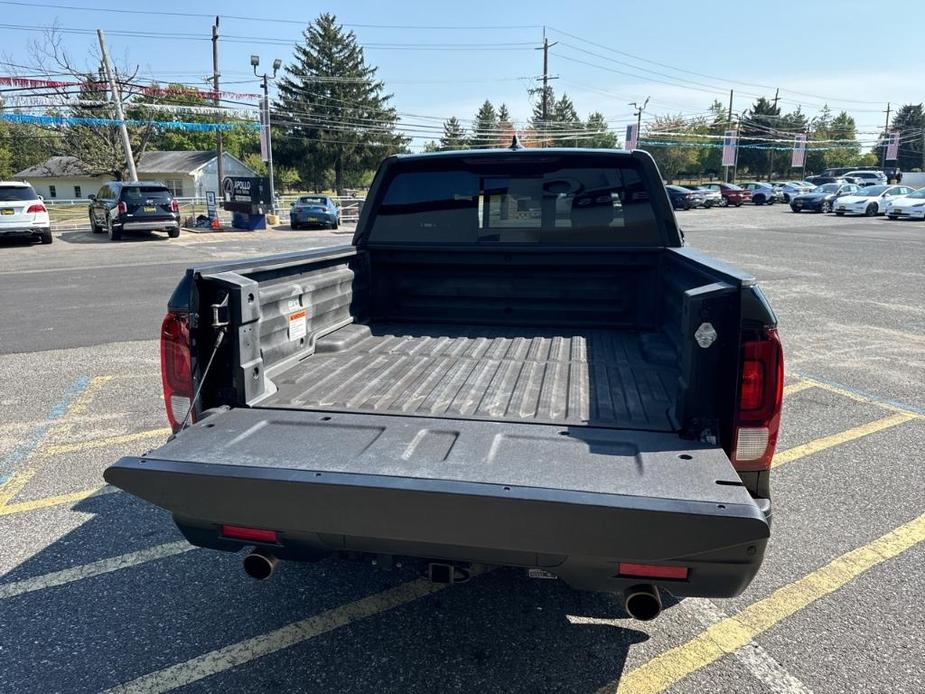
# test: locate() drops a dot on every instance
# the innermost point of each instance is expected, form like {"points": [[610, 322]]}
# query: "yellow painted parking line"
{"points": [[794, 388], [83, 401], [102, 442], [861, 398], [20, 479], [57, 500], [223, 659], [737, 631], [14, 485], [97, 568], [824, 442]]}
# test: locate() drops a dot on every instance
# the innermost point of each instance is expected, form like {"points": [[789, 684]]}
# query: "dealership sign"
{"points": [[729, 148], [799, 151], [892, 149]]}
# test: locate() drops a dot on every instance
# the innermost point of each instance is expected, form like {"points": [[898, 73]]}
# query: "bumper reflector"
{"points": [[238, 532], [653, 571]]}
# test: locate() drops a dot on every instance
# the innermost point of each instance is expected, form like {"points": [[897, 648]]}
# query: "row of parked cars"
{"points": [[840, 191], [841, 195], [843, 198], [733, 195]]}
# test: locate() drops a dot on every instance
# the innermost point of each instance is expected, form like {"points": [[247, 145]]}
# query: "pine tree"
{"points": [[598, 134], [761, 121], [484, 131], [506, 131], [543, 127], [565, 122], [454, 136], [332, 112]]}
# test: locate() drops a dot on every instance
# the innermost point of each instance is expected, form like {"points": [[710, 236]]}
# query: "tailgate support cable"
{"points": [[221, 327]]}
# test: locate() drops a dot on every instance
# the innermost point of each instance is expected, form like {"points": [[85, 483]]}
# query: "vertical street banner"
{"points": [[632, 136], [264, 150], [892, 149], [799, 151], [729, 148]]}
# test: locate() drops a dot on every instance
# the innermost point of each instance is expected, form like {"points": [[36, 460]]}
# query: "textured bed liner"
{"points": [[563, 376]]}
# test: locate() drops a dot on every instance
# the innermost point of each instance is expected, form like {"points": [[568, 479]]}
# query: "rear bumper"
{"points": [[148, 225], [24, 231], [319, 220], [591, 504]]}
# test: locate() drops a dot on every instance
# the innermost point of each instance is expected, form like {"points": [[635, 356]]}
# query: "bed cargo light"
{"points": [[761, 387]]}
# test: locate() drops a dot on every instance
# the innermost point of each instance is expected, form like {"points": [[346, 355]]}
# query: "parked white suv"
{"points": [[22, 212], [867, 178]]}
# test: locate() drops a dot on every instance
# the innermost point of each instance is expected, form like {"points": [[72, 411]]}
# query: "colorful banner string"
{"points": [[168, 124]]}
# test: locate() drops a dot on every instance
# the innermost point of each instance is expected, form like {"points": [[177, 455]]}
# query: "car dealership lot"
{"points": [[99, 591]]}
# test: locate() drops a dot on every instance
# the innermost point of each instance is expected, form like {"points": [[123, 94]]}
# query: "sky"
{"points": [[441, 59]]}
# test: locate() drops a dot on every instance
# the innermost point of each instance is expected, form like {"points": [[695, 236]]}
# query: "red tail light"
{"points": [[121, 208], [174, 205], [176, 368], [761, 390], [38, 207]]}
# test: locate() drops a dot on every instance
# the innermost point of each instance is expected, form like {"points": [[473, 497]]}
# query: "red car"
{"points": [[732, 194]]}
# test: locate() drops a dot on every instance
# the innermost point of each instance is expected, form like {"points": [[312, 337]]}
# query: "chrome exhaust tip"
{"points": [[643, 602], [260, 565]]}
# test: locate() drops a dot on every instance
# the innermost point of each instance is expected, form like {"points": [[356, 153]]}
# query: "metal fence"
{"points": [[73, 214]]}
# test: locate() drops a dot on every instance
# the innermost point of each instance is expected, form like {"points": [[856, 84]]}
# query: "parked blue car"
{"points": [[314, 211]]}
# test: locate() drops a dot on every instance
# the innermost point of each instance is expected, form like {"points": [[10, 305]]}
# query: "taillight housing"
{"points": [[758, 402], [121, 208], [36, 208], [176, 367], [174, 205]]}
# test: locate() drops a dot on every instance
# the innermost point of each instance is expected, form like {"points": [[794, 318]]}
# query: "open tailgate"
{"points": [[565, 498]]}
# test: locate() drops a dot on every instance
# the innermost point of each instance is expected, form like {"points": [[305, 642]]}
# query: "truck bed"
{"points": [[607, 378]]}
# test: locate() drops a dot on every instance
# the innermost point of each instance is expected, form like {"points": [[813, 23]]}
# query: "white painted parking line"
{"points": [[223, 659], [756, 659], [97, 568]]}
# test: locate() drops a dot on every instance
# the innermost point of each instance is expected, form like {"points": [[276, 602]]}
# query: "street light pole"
{"points": [[265, 79]]}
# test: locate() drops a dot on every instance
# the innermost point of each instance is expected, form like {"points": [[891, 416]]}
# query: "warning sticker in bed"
{"points": [[298, 325]]}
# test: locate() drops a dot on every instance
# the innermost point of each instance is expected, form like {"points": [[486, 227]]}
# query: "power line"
{"points": [[272, 20], [701, 74]]}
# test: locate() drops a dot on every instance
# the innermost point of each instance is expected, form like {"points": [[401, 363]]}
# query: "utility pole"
{"points": [[726, 168], [117, 98], [219, 142], [265, 78], [544, 105], [771, 145], [886, 137]]}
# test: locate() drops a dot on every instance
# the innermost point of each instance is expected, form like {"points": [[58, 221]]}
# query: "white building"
{"points": [[187, 174]]}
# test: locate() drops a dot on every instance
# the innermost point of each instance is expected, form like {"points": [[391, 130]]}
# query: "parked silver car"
{"points": [[704, 197]]}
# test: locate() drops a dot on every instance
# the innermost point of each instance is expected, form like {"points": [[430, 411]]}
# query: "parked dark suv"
{"points": [[140, 206]]}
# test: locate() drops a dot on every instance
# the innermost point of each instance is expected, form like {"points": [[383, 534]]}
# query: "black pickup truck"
{"points": [[517, 362]]}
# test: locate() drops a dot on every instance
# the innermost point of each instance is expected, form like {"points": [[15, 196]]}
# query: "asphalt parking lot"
{"points": [[99, 592]]}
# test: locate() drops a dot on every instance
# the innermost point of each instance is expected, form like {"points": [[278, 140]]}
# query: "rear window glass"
{"points": [[313, 201], [141, 193], [530, 200], [15, 193]]}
